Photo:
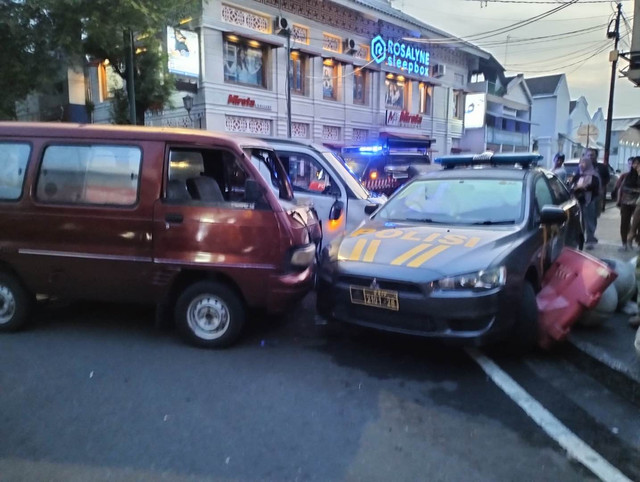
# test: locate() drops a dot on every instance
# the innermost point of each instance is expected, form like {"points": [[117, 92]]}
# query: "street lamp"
{"points": [[187, 101]]}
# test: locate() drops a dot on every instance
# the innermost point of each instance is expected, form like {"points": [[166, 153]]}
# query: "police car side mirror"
{"points": [[336, 211], [370, 208], [550, 214]]}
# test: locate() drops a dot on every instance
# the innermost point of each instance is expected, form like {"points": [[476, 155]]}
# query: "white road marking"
{"points": [[574, 446]]}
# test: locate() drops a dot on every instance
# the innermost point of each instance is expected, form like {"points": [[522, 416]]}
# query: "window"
{"points": [[298, 73], [559, 189], [209, 176], [329, 80], [543, 193], [307, 175], [395, 94], [13, 165], [94, 174], [458, 104], [360, 86], [109, 81], [244, 61], [426, 99]]}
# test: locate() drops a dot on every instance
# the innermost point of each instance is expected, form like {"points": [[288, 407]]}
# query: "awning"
{"points": [[396, 139]]}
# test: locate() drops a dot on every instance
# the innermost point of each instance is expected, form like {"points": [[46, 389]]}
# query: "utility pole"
{"points": [[288, 83], [131, 91], [613, 57]]}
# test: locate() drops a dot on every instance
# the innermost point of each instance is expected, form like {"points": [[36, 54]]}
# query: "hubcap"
{"points": [[208, 317], [7, 305]]}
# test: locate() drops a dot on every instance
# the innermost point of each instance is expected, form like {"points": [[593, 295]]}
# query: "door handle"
{"points": [[175, 218]]}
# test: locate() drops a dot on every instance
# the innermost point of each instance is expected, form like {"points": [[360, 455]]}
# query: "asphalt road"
{"points": [[95, 392]]}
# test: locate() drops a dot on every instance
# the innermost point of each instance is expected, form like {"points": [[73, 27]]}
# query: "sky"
{"points": [[588, 72]]}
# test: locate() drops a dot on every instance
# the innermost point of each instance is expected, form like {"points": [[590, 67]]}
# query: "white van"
{"points": [[319, 176]]}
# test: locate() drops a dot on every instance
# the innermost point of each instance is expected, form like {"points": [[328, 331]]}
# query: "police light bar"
{"points": [[522, 159]]}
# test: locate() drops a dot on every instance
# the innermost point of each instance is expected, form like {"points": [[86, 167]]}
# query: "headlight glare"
{"points": [[481, 280]]}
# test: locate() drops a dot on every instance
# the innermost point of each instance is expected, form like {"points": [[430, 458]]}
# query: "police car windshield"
{"points": [[481, 202]]}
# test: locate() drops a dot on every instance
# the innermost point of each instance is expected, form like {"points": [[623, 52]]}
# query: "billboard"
{"points": [[183, 48], [474, 111]]}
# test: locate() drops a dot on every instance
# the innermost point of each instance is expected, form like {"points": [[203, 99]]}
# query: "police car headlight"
{"points": [[481, 280]]}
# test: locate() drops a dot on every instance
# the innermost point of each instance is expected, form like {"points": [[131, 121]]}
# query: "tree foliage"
{"points": [[47, 35]]}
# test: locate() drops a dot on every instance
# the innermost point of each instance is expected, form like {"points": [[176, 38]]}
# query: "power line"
{"points": [[498, 31]]}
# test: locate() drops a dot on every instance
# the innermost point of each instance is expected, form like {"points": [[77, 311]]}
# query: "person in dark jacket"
{"points": [[628, 193], [585, 185]]}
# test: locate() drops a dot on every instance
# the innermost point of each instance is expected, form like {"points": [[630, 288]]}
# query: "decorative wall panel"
{"points": [[245, 18], [247, 125]]}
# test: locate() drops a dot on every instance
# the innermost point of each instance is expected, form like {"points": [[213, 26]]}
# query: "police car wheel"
{"points": [[525, 331], [209, 314], [15, 303]]}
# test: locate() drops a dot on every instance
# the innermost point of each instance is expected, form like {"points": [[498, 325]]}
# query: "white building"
{"points": [[498, 111], [354, 75], [550, 115]]}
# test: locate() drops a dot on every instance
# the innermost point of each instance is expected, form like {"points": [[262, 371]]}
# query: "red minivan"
{"points": [[180, 218]]}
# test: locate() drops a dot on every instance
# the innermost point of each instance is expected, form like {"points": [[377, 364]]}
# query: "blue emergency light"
{"points": [[521, 159]]}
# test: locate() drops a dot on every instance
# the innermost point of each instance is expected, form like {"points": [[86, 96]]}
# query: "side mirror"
{"points": [[550, 214], [370, 208], [336, 211], [252, 191]]}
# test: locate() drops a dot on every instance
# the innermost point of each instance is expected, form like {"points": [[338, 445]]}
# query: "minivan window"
{"points": [[89, 174], [13, 165], [205, 175]]}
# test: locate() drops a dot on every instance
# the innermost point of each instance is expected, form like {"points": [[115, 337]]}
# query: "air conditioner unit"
{"points": [[350, 45], [281, 24], [438, 70]]}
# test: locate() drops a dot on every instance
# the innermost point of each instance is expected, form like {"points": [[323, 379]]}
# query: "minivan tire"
{"points": [[209, 314], [15, 303]]}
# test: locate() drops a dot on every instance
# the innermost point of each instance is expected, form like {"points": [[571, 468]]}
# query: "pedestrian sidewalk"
{"points": [[608, 349]]}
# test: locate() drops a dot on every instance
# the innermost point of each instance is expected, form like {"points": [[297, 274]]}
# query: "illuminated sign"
{"points": [[183, 49], [474, 111], [246, 102], [400, 55], [396, 118]]}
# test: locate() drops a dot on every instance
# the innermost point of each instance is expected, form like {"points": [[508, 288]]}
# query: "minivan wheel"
{"points": [[209, 314], [15, 303]]}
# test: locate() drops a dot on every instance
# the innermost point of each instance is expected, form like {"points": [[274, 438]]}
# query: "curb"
{"points": [[609, 371]]}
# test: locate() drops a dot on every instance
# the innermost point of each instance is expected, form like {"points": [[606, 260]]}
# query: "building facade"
{"points": [[358, 70], [498, 111], [549, 116]]}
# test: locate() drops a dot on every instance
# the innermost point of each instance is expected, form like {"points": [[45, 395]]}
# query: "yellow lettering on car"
{"points": [[453, 239], [360, 231], [410, 236], [409, 254], [431, 237], [371, 251], [389, 233], [423, 258], [472, 242]]}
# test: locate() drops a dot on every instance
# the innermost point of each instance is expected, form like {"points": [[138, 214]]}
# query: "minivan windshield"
{"points": [[271, 170], [466, 201]]}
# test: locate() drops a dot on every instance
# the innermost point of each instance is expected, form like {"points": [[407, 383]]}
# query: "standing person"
{"points": [[635, 218], [628, 193], [585, 185], [558, 167], [605, 177]]}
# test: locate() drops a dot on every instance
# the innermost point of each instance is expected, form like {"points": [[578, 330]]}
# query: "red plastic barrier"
{"points": [[574, 283]]}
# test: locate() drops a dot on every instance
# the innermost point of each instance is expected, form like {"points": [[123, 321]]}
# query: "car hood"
{"points": [[423, 252]]}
